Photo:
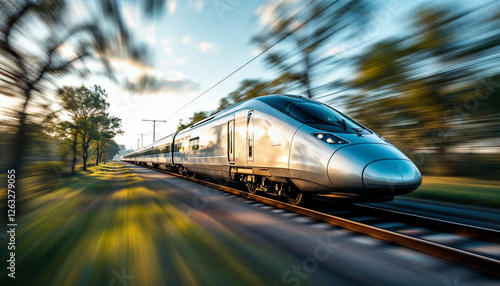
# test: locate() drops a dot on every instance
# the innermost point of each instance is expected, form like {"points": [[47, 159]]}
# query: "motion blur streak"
{"points": [[81, 233], [40, 41]]}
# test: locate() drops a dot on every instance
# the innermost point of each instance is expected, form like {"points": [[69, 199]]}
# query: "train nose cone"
{"points": [[399, 176]]}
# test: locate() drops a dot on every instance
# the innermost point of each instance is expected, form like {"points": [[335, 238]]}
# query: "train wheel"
{"points": [[297, 198], [251, 188]]}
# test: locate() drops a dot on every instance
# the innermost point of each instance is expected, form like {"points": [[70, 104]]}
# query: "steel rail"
{"points": [[478, 262], [487, 234]]}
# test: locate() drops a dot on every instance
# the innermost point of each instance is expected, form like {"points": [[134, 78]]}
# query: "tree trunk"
{"points": [[84, 157], [97, 155], [84, 153], [19, 147], [307, 62], [74, 147]]}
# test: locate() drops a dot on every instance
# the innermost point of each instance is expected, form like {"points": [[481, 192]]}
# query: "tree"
{"points": [[69, 128], [94, 105], [87, 108], [435, 88], [197, 116], [249, 88], [108, 127], [110, 150], [71, 103], [307, 31], [25, 74]]}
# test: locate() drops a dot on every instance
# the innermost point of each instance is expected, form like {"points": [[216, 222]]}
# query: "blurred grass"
{"points": [[466, 191], [108, 223]]}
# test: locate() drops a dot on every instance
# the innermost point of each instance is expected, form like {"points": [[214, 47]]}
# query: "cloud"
{"points": [[207, 46], [203, 47], [171, 6], [256, 51], [159, 83], [67, 52], [145, 79], [128, 15], [130, 68], [166, 43], [271, 10], [186, 40]]}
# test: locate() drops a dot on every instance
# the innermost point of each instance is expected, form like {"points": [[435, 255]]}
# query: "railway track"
{"points": [[467, 245]]}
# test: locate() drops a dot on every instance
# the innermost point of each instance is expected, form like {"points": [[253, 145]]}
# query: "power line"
{"points": [[366, 43], [254, 58], [142, 140], [154, 126], [274, 20]]}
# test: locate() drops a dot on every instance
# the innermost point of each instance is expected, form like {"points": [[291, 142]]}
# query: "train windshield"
{"points": [[324, 117]]}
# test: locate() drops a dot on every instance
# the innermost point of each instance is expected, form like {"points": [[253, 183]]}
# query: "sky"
{"points": [[193, 46], [196, 44]]}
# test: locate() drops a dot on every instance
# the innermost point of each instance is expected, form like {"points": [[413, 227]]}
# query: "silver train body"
{"points": [[289, 146]]}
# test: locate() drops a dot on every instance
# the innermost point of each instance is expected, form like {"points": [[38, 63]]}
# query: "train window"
{"points": [[230, 141], [324, 117], [167, 148], [250, 137], [160, 149], [178, 147], [194, 144]]}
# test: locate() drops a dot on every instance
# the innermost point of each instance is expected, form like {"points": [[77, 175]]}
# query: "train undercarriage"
{"points": [[254, 184]]}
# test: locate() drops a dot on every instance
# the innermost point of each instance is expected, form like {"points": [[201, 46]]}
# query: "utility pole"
{"points": [[137, 143], [154, 126], [142, 140]]}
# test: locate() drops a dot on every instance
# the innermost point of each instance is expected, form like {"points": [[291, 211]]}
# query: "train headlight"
{"points": [[330, 138]]}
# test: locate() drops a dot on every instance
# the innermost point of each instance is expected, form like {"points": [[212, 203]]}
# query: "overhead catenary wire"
{"points": [[274, 20], [359, 45], [257, 56]]}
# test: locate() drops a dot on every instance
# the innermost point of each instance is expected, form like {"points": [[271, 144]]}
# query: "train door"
{"points": [[250, 136], [230, 141]]}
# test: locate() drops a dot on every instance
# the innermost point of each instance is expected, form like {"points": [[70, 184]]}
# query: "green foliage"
{"points": [[27, 73], [197, 116], [433, 90], [90, 125], [305, 32], [249, 88]]}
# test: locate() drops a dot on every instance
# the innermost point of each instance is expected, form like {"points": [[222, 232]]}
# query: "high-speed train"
{"points": [[288, 146]]}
